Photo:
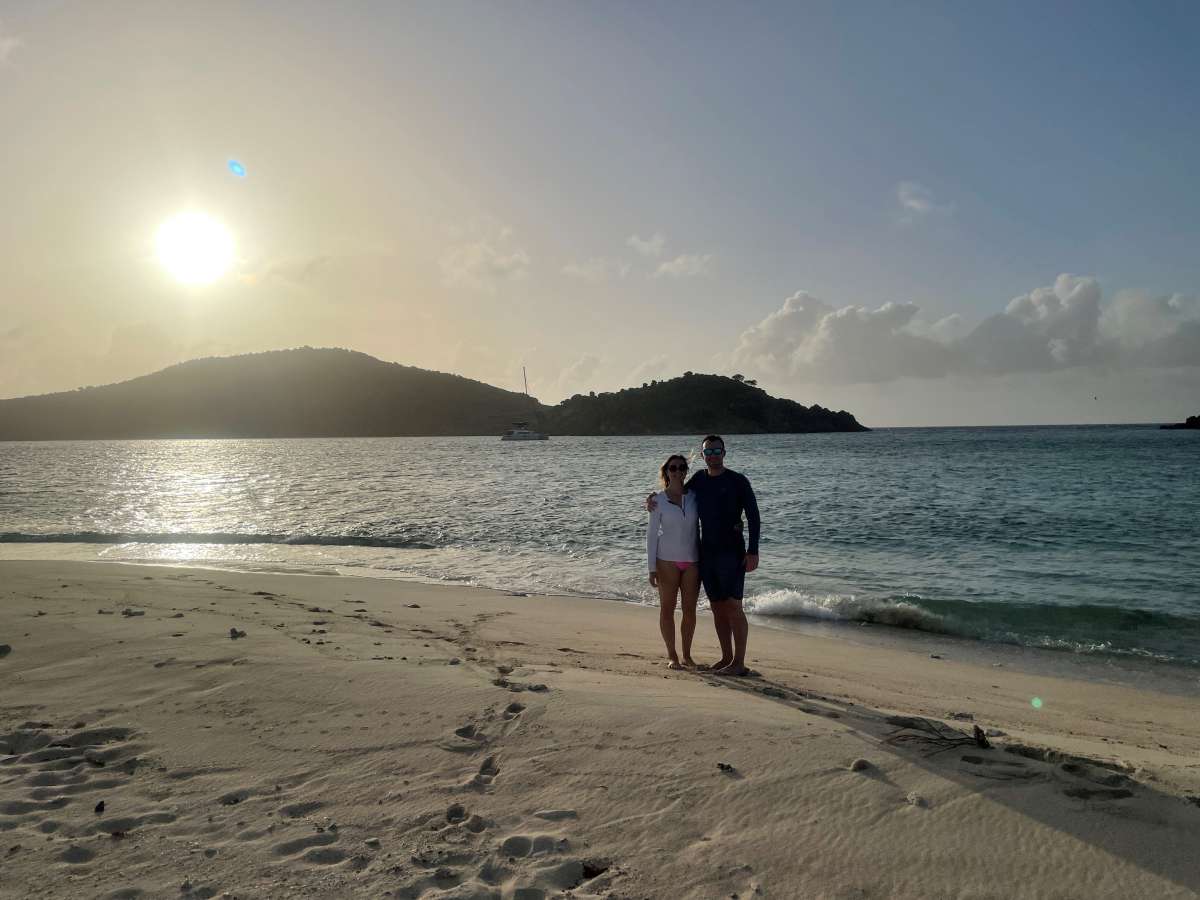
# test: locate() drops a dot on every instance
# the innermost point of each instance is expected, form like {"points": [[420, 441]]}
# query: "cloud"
{"points": [[687, 265], [596, 269], [1052, 328], [917, 202], [652, 246], [651, 370], [578, 376], [483, 263], [8, 44]]}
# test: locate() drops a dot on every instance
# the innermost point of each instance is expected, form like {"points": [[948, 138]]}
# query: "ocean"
{"points": [[1079, 539]]}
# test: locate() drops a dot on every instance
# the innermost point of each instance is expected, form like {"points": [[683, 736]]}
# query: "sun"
{"points": [[194, 248]]}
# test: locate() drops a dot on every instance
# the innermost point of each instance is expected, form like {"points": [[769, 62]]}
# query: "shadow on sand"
{"points": [[1005, 773]]}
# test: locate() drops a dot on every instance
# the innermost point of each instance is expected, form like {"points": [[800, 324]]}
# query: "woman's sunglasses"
{"points": [[673, 467]]}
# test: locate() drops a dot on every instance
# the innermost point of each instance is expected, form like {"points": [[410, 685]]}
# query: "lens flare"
{"points": [[1036, 702], [237, 168]]}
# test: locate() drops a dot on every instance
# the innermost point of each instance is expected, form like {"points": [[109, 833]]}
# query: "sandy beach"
{"points": [[170, 732]]}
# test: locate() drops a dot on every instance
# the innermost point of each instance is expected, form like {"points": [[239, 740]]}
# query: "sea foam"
{"points": [[843, 608]]}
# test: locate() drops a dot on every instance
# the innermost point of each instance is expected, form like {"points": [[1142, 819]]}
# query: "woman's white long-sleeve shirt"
{"points": [[674, 531]]}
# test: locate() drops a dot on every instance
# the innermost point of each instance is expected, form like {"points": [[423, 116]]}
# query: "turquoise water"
{"points": [[1084, 539]]}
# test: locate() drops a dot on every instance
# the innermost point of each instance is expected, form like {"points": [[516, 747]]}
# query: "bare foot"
{"points": [[674, 664], [689, 663], [719, 664], [732, 671]]}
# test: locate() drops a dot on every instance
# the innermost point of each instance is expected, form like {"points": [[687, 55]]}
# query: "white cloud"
{"points": [[652, 246], [8, 44], [686, 265], [577, 377], [596, 269], [483, 263], [651, 370], [1053, 328], [917, 202]]}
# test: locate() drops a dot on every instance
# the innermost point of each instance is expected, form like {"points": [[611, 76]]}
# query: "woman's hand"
{"points": [[651, 503], [653, 579]]}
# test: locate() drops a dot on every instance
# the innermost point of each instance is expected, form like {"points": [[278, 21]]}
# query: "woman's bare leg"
{"points": [[668, 590], [690, 589]]}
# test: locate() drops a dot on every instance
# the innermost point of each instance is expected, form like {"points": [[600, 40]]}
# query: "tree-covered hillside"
{"points": [[340, 393], [694, 404]]}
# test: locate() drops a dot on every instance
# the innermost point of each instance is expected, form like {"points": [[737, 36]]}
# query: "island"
{"points": [[1189, 422], [332, 392]]}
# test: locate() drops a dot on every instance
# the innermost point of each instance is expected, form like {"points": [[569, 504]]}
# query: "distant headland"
{"points": [[1189, 422], [310, 392]]}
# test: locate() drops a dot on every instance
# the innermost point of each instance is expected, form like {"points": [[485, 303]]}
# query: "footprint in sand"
{"points": [[307, 843], [513, 710], [76, 855], [556, 815], [56, 769], [518, 846], [296, 810]]}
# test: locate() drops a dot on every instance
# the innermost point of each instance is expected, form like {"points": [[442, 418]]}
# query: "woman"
{"points": [[672, 549]]}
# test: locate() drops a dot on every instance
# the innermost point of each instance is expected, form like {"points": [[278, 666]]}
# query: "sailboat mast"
{"points": [[525, 378]]}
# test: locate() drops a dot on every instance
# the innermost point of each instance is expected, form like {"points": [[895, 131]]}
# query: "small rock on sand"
{"points": [[373, 842], [234, 634], [860, 765], [414, 606], [915, 799], [5, 649], [454, 661], [130, 613]]}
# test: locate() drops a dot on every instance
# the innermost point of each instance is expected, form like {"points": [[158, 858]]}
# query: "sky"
{"points": [[926, 214]]}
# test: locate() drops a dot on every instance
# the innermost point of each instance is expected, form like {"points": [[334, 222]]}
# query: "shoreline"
{"points": [[1175, 677], [371, 737]]}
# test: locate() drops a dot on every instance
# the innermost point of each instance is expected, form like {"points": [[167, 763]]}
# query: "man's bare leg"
{"points": [[740, 630], [724, 631], [690, 588]]}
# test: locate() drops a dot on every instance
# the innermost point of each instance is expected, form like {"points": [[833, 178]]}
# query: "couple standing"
{"points": [[694, 538]]}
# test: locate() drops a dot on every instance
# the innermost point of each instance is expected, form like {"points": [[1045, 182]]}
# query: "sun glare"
{"points": [[194, 248]]}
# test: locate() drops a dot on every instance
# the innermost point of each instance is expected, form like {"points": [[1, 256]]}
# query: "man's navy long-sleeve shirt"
{"points": [[721, 500]]}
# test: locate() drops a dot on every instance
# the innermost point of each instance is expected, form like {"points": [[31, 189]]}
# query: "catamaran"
{"points": [[521, 430]]}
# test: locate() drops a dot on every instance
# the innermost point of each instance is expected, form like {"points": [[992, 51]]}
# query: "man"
{"points": [[722, 496]]}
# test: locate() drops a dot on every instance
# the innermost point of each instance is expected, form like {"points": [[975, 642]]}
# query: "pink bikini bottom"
{"points": [[683, 566]]}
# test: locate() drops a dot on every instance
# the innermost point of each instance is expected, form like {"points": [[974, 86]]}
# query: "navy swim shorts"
{"points": [[723, 574]]}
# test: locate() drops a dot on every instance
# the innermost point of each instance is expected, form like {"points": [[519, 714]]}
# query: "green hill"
{"points": [[341, 393], [282, 393], [693, 404]]}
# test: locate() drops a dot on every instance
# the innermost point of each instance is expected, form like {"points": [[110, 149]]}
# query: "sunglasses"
{"points": [[714, 451], [673, 467]]}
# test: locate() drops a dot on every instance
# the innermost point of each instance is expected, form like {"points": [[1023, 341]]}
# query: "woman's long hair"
{"points": [[662, 471]]}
